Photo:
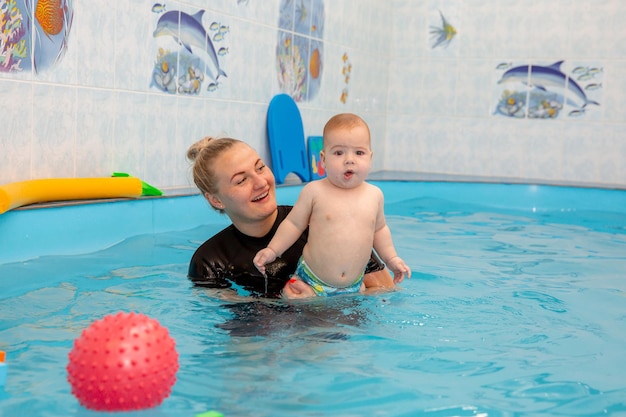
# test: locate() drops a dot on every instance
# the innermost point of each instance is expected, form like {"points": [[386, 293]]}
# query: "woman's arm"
{"points": [[378, 281], [377, 277]]}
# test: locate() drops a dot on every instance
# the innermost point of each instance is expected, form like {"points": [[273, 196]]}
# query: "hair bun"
{"points": [[195, 149]]}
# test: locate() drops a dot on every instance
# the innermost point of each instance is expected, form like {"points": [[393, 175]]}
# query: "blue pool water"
{"points": [[517, 307]]}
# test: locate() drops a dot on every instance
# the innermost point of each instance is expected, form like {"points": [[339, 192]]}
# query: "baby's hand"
{"points": [[399, 268], [262, 258]]}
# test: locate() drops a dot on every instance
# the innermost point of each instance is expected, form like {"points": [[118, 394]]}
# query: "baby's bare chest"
{"points": [[333, 214]]}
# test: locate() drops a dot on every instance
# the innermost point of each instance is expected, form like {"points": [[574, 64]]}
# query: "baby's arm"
{"points": [[264, 257], [383, 244], [399, 268], [289, 230]]}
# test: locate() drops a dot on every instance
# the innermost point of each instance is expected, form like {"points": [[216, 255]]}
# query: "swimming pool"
{"points": [[516, 307]]}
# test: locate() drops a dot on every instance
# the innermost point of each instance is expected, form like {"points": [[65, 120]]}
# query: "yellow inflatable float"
{"points": [[22, 193]]}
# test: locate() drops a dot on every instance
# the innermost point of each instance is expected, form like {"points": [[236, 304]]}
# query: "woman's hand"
{"points": [[295, 288]]}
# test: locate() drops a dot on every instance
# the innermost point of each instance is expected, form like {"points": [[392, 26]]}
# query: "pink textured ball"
{"points": [[123, 362]]}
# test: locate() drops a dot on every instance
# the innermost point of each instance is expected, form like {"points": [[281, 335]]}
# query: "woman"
{"points": [[234, 180]]}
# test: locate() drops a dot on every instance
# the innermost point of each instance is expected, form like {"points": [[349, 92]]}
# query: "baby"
{"points": [[344, 214]]}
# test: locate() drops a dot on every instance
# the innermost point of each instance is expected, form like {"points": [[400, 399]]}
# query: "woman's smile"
{"points": [[261, 198]]}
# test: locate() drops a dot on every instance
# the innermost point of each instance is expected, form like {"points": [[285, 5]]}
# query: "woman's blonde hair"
{"points": [[203, 155]]}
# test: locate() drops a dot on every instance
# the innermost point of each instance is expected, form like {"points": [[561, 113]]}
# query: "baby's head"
{"points": [[347, 153], [344, 121]]}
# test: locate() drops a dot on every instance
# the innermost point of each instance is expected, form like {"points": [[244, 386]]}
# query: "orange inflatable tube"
{"points": [[22, 193]]}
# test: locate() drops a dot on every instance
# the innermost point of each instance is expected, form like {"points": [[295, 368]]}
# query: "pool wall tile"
{"points": [[83, 228], [86, 227]]}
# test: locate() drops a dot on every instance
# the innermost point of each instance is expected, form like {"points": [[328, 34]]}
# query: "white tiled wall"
{"points": [[429, 110], [441, 101]]}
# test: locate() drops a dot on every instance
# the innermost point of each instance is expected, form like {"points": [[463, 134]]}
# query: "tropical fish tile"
{"points": [[190, 51], [547, 91]]}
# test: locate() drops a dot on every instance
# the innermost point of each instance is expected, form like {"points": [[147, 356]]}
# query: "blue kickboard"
{"points": [[286, 139], [315, 144]]}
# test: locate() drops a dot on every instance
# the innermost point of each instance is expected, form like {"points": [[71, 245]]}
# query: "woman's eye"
{"points": [[261, 168], [241, 181]]}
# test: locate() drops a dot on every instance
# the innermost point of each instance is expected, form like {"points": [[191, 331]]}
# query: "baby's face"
{"points": [[347, 156]]}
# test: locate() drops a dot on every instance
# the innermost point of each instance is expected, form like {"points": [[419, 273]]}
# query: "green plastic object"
{"points": [[146, 189], [211, 413]]}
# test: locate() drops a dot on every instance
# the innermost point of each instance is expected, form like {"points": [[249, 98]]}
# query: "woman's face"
{"points": [[246, 189]]}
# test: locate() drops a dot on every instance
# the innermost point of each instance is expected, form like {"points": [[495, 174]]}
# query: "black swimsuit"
{"points": [[225, 261]]}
